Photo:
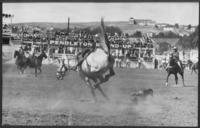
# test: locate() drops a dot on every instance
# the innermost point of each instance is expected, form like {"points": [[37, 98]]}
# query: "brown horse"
{"points": [[97, 67], [175, 69], [21, 60], [36, 62]]}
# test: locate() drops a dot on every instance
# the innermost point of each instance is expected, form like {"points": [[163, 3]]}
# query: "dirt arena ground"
{"points": [[44, 100]]}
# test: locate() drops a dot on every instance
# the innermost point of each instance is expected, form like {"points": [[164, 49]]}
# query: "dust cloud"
{"points": [[119, 104]]}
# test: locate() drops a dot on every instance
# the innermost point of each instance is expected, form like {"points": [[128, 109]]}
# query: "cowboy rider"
{"points": [[86, 52], [175, 53], [175, 56], [21, 50]]}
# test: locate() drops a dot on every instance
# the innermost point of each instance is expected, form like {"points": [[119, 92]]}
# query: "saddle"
{"points": [[174, 62]]}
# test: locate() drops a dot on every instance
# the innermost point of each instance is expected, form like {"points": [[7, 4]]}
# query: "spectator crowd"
{"points": [[71, 43]]}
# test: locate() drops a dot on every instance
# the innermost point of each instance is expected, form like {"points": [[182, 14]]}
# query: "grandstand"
{"points": [[69, 45]]}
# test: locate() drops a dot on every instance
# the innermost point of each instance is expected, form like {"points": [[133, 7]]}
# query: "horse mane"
{"points": [[17, 53], [41, 55]]}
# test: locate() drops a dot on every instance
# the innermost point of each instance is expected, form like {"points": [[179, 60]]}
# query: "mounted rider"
{"points": [[87, 51], [32, 55], [174, 56], [62, 67], [21, 50]]}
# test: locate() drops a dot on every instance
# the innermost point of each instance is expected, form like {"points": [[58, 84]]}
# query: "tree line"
{"points": [[89, 30], [191, 41]]}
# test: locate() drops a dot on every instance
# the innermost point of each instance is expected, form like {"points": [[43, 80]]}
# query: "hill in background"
{"points": [[186, 42], [123, 25]]}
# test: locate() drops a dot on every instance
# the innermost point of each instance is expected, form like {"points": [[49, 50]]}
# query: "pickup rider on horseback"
{"points": [[21, 50], [175, 56]]}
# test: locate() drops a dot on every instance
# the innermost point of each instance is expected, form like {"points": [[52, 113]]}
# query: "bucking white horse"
{"points": [[98, 65]]}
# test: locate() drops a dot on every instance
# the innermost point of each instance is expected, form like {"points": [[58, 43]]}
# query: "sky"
{"points": [[181, 13]]}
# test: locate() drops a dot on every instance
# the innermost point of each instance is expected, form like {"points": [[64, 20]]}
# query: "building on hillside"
{"points": [[142, 22], [150, 33], [131, 20], [145, 22], [161, 25], [192, 29], [183, 33], [168, 28]]}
